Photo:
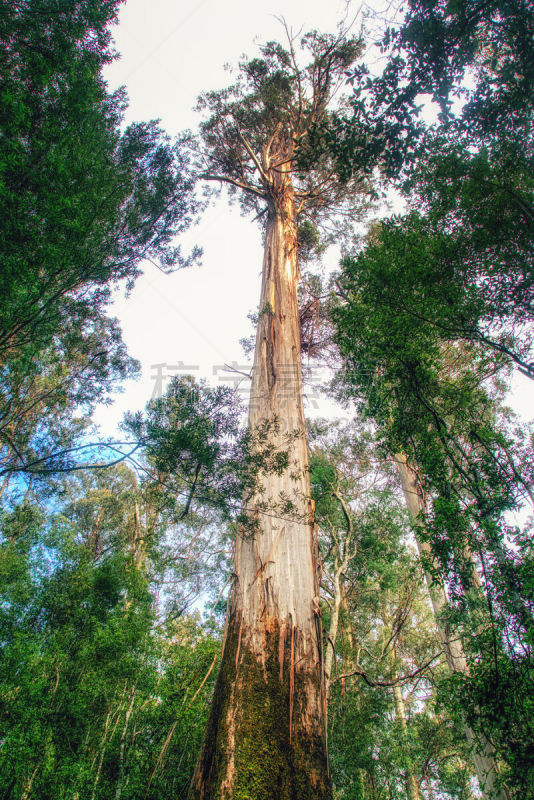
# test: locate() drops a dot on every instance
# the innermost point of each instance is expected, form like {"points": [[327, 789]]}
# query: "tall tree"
{"points": [[85, 201], [483, 752], [439, 405], [469, 177], [266, 732], [381, 651]]}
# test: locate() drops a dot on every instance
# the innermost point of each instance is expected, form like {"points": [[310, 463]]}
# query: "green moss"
{"points": [[266, 764]]}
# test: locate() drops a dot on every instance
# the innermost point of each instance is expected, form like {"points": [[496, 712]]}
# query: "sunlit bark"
{"points": [[266, 732]]}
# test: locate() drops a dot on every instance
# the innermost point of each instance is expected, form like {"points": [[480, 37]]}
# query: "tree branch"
{"points": [[397, 682], [246, 187]]}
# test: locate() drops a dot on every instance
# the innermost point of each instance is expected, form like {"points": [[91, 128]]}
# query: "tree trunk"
{"points": [[330, 647], [122, 748], [482, 751], [265, 736], [410, 781]]}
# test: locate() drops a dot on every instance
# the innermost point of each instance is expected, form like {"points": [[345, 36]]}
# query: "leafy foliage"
{"points": [[84, 203], [383, 728], [440, 403], [107, 665], [253, 129], [89, 686]]}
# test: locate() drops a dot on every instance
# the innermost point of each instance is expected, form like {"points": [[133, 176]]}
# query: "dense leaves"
{"points": [[114, 582], [440, 403], [90, 686], [383, 660], [84, 202]]}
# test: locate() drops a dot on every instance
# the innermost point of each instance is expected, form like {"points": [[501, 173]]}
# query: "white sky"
{"points": [[171, 51]]}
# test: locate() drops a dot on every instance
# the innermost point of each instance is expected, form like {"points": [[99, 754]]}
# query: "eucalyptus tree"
{"points": [[482, 750], [381, 649], [353, 513], [266, 732], [463, 254], [438, 406]]}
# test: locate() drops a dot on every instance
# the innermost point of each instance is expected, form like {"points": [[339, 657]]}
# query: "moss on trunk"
{"points": [[263, 740]]}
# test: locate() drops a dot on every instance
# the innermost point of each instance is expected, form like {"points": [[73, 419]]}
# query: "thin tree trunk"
{"points": [[482, 751], [265, 738], [101, 757], [341, 563], [349, 665], [330, 647], [410, 781], [122, 748]]}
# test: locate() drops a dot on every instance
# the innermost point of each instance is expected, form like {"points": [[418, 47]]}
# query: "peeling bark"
{"points": [[265, 736]]}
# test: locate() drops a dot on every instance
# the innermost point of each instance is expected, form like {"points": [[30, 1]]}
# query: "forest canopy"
{"points": [[272, 606]]}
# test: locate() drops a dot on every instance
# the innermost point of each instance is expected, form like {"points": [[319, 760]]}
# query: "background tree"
{"points": [[463, 255], [384, 734], [84, 203], [103, 693], [105, 666], [450, 284], [430, 403]]}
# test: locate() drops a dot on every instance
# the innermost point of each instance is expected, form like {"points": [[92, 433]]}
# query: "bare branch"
{"points": [[397, 682], [246, 187]]}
